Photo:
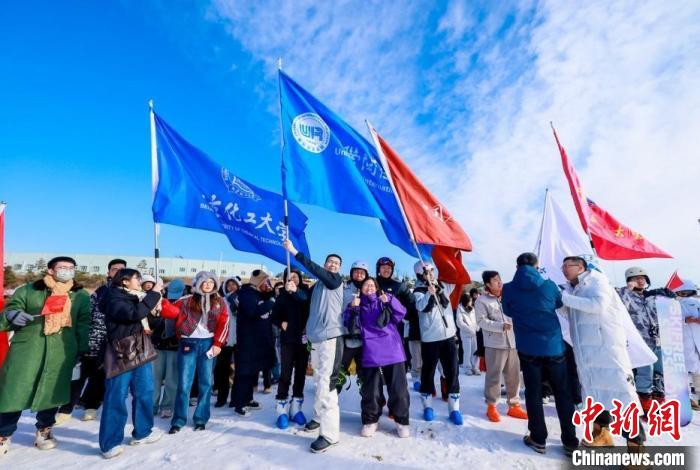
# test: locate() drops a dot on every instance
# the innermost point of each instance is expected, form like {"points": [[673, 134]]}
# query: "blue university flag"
{"points": [[197, 192], [327, 163]]}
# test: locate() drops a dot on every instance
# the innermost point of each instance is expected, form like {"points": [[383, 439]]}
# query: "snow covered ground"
{"points": [[235, 443]]}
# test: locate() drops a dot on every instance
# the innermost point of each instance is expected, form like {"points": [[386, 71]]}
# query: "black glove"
{"points": [[664, 292]]}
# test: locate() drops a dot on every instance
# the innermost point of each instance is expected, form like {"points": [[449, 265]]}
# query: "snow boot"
{"points": [[539, 448], [321, 445], [4, 445], [282, 410], [515, 411], [416, 386], [453, 406], [427, 400], [368, 430], [62, 418], [44, 439], [403, 430], [312, 426], [296, 413], [492, 414]]}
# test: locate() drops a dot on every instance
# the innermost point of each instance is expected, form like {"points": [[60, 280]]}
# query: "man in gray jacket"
{"points": [[499, 349], [325, 330]]}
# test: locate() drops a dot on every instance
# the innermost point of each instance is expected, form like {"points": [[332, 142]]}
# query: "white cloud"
{"points": [[466, 99]]}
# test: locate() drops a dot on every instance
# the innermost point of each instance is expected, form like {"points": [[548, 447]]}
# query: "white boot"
{"points": [[296, 413], [155, 436], [44, 439], [368, 430], [4, 445], [282, 409], [403, 430], [90, 415], [62, 418]]}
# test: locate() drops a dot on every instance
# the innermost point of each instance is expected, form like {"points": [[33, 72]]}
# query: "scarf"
{"points": [[53, 322], [140, 295]]}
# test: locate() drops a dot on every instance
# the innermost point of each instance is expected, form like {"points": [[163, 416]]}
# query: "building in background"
{"points": [[23, 263]]}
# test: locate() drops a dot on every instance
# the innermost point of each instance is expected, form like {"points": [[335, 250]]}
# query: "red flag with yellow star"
{"points": [[611, 239], [615, 241]]}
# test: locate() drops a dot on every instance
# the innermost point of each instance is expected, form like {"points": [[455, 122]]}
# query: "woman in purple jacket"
{"points": [[377, 315]]}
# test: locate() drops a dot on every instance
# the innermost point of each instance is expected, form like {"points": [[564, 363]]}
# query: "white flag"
{"points": [[558, 239]]}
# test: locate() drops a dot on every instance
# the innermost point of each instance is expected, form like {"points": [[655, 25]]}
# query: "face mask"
{"points": [[64, 275]]}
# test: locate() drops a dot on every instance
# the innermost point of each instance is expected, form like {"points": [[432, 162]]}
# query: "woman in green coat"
{"points": [[50, 319]]}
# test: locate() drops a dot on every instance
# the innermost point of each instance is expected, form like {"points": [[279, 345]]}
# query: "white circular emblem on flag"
{"points": [[311, 132]]}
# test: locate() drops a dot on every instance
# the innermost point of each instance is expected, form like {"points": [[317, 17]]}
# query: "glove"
{"points": [[18, 317], [665, 292]]}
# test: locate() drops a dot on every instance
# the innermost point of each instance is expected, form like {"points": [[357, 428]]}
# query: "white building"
{"points": [[167, 267]]}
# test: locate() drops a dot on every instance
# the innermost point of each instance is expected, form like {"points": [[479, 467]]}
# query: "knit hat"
{"points": [[175, 289], [147, 278], [258, 277], [202, 276]]}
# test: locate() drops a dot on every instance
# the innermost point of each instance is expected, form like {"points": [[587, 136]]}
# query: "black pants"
{"points": [[348, 355], [534, 368], [222, 374], [572, 375], [242, 392], [605, 418], [444, 351], [295, 357], [8, 421], [373, 394], [460, 349], [92, 380]]}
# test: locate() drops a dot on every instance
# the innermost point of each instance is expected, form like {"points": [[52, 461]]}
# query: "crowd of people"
{"points": [[173, 347]]}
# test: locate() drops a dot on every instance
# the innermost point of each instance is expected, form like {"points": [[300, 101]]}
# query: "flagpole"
{"points": [[387, 170], [154, 184], [544, 211], [284, 185]]}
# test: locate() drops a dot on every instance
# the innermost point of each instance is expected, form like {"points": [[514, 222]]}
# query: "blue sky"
{"points": [[464, 91]]}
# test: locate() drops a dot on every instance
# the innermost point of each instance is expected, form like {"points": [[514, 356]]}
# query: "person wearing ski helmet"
{"points": [[438, 339], [359, 271], [641, 305]]}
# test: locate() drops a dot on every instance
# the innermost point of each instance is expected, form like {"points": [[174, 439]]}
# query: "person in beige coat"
{"points": [[500, 353]]}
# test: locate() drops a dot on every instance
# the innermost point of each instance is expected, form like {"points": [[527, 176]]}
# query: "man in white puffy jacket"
{"points": [[604, 368]]}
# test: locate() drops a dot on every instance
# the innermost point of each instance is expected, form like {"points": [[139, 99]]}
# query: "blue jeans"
{"points": [[649, 378], [191, 358], [114, 413], [165, 381]]}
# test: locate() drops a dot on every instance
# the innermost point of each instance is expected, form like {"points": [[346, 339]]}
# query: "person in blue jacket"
{"points": [[531, 301]]}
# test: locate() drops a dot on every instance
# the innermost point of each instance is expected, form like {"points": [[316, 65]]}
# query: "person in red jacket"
{"points": [[202, 326]]}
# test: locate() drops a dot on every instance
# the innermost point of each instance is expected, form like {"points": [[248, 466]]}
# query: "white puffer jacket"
{"points": [[598, 340]]}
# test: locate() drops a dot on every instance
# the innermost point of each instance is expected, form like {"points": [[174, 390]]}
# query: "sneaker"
{"points": [[242, 412], [155, 436], [254, 406], [368, 430], [492, 414], [515, 411], [113, 452], [312, 426], [166, 414], [321, 445], [539, 448], [44, 439], [4, 445], [476, 371], [267, 390], [199, 427], [89, 415], [403, 430], [174, 430], [62, 418]]}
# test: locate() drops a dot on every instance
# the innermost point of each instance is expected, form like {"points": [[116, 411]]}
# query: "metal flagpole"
{"points": [[154, 183], [544, 211], [385, 165], [284, 193]]}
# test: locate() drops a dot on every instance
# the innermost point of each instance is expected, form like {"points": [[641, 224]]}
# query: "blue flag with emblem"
{"points": [[194, 191], [327, 163]]}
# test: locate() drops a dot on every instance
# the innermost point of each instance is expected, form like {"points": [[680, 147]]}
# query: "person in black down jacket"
{"points": [[255, 347], [290, 314], [127, 309]]}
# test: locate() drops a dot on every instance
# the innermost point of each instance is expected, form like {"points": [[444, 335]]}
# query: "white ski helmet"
{"points": [[421, 266], [360, 265], [636, 271]]}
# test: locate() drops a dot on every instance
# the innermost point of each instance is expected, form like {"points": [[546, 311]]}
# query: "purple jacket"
{"points": [[380, 346]]}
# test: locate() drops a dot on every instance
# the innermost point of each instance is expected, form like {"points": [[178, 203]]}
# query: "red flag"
{"points": [[4, 346], [574, 185], [675, 282], [429, 220], [448, 262], [615, 241], [611, 239]]}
